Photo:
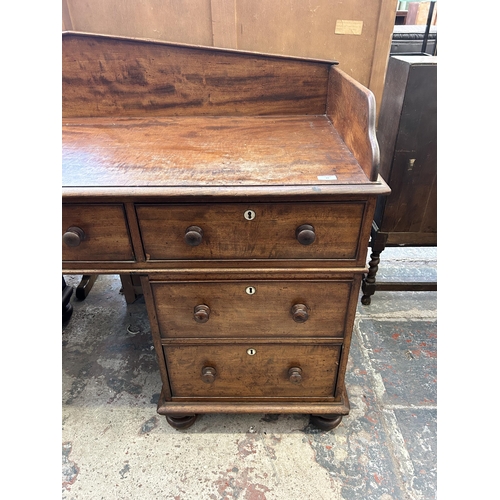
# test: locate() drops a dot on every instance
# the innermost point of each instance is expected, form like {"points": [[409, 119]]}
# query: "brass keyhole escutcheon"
{"points": [[250, 290], [249, 215], [251, 352]]}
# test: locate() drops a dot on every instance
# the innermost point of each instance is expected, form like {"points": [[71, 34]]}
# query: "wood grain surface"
{"points": [[262, 375], [351, 108], [107, 76], [106, 233], [266, 313], [201, 151], [270, 235]]}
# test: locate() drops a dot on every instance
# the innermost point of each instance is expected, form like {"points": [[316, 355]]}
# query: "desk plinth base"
{"points": [[325, 416]]}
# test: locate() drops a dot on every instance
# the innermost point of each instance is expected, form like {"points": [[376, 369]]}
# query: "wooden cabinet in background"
{"points": [[407, 135]]}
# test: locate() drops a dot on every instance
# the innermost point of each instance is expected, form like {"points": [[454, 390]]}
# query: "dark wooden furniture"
{"points": [[407, 134], [241, 188], [67, 308]]}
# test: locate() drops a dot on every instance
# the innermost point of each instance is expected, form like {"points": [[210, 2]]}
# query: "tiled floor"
{"points": [[115, 446]]}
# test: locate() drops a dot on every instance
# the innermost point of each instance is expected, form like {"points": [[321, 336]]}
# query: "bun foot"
{"points": [[181, 421], [366, 300], [324, 422]]}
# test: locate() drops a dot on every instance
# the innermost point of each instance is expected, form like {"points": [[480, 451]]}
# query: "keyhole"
{"points": [[251, 352], [249, 215], [250, 290]]}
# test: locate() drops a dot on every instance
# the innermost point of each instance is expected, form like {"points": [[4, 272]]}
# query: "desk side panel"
{"points": [[351, 108]]}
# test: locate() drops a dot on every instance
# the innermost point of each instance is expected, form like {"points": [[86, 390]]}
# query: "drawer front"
{"points": [[257, 231], [98, 233], [270, 370], [252, 308]]}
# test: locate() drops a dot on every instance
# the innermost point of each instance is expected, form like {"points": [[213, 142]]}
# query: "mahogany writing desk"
{"points": [[241, 188]]}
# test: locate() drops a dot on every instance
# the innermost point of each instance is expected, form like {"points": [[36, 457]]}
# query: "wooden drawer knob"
{"points": [[73, 236], [299, 313], [295, 375], [201, 313], [305, 234], [208, 374], [193, 236]]}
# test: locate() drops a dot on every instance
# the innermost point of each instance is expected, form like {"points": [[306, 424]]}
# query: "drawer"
{"points": [[95, 233], [251, 231], [269, 371], [252, 308]]}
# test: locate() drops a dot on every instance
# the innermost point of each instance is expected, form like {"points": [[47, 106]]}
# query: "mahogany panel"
{"points": [[351, 107], [113, 76]]}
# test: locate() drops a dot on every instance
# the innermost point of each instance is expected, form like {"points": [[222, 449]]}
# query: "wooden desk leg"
{"points": [[127, 288], [86, 284], [130, 290], [368, 286]]}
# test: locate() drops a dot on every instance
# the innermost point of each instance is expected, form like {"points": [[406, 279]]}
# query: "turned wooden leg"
{"points": [[369, 282], [181, 421], [368, 286], [325, 422]]}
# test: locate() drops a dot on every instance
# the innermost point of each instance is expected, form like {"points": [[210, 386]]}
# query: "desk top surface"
{"points": [[201, 151]]}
